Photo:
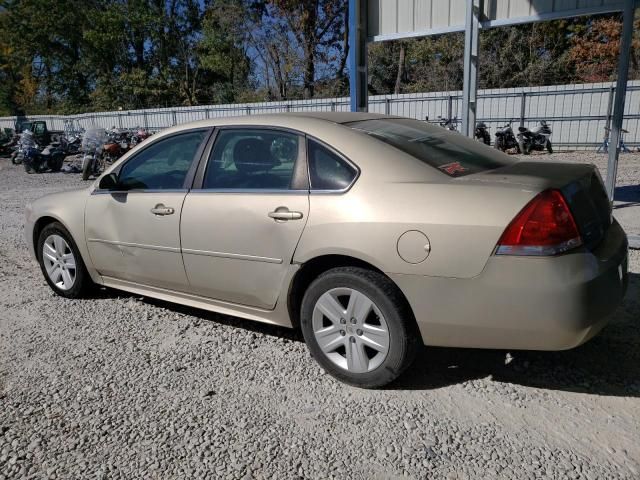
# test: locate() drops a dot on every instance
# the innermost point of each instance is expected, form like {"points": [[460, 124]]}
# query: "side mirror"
{"points": [[108, 182]]}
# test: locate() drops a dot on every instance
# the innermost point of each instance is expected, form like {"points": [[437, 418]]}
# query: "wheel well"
{"points": [[38, 227], [311, 269]]}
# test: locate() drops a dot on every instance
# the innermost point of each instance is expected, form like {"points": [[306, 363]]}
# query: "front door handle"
{"points": [[283, 214], [160, 209]]}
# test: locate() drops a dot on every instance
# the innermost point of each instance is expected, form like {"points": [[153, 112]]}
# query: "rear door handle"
{"points": [[160, 209], [283, 214]]}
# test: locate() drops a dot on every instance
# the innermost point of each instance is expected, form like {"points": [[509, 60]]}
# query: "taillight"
{"points": [[545, 226]]}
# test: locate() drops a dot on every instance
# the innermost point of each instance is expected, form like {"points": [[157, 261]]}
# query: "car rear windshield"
{"points": [[450, 152]]}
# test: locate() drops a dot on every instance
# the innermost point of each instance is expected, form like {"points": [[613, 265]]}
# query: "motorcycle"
{"points": [[93, 162], [448, 123], [118, 143], [481, 133], [505, 139], [8, 142], [25, 142], [536, 139], [50, 158]]}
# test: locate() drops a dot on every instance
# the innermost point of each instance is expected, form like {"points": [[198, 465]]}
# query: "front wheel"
{"points": [[87, 167], [359, 327], [549, 147], [61, 263]]}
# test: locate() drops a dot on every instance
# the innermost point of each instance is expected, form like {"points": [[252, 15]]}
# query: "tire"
{"points": [[498, 144], [486, 138], [389, 321], [522, 146], [81, 281], [28, 168], [55, 164], [549, 147], [87, 167]]}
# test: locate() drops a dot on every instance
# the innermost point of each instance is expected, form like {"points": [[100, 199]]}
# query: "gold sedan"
{"points": [[373, 234]]}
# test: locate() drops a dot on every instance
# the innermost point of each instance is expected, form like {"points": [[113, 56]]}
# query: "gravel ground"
{"points": [[119, 386]]}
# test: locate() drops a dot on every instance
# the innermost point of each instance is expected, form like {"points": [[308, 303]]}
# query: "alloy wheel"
{"points": [[59, 262], [350, 329]]}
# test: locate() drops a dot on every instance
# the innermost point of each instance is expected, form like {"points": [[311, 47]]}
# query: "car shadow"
{"points": [[206, 315], [627, 196], [609, 364]]}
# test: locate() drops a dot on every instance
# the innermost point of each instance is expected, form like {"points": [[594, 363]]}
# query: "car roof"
{"points": [[288, 119], [338, 117]]}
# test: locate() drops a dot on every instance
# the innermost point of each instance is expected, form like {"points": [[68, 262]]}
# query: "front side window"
{"points": [[449, 152], [327, 171], [257, 159], [163, 165]]}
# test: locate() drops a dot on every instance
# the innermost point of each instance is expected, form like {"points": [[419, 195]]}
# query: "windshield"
{"points": [[449, 152]]}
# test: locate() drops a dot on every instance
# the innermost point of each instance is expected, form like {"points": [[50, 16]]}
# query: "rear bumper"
{"points": [[544, 303]]}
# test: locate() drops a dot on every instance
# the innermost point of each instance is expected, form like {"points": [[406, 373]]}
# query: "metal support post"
{"points": [[470, 82], [523, 107], [618, 101], [358, 55]]}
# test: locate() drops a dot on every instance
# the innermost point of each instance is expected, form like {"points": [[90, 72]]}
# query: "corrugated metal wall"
{"points": [[410, 17], [577, 113]]}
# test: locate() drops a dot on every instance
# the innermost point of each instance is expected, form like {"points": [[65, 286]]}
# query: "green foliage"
{"points": [[70, 56], [547, 53]]}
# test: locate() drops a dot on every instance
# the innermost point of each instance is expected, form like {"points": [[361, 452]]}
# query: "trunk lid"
{"points": [[580, 184]]}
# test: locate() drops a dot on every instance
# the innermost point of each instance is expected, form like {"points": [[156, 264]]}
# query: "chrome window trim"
{"points": [[249, 190], [341, 157], [98, 191]]}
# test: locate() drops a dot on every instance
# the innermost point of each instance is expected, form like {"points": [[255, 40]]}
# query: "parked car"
{"points": [[373, 234]]}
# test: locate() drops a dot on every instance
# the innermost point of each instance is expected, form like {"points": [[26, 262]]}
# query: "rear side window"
{"points": [[327, 170], [449, 152]]}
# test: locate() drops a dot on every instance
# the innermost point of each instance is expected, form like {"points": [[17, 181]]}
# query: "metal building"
{"points": [[379, 20]]}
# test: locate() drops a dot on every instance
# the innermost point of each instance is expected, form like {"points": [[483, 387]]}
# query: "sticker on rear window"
{"points": [[453, 168]]}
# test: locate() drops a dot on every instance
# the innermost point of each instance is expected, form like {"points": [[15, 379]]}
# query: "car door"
{"points": [[133, 231], [242, 220]]}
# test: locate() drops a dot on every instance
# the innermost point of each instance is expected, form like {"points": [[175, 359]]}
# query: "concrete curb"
{"points": [[634, 241]]}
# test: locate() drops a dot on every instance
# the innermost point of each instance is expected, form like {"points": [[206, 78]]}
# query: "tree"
{"points": [[524, 55], [595, 53], [222, 53], [316, 26]]}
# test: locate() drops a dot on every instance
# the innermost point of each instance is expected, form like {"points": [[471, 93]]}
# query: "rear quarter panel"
{"points": [[463, 223]]}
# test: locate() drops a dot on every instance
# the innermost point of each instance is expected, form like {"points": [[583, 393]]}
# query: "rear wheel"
{"points": [[55, 163], [522, 146], [61, 263], [549, 147], [498, 144], [358, 327]]}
